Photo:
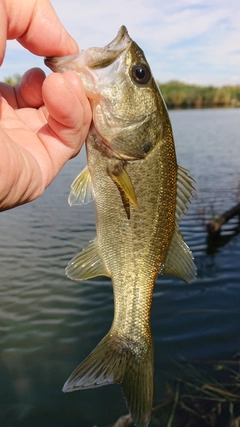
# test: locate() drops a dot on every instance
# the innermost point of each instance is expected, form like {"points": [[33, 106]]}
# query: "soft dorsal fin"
{"points": [[179, 260], [184, 191], [81, 189], [87, 264]]}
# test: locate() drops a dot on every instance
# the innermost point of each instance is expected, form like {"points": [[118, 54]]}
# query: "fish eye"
{"points": [[141, 73]]}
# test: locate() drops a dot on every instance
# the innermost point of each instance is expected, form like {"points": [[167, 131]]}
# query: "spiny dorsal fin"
{"points": [[81, 189], [184, 191], [179, 260], [86, 264]]}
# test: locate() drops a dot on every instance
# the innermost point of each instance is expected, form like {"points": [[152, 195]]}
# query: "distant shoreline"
{"points": [[182, 96], [179, 95]]}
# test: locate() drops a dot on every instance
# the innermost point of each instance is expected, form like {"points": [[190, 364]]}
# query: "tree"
{"points": [[13, 80]]}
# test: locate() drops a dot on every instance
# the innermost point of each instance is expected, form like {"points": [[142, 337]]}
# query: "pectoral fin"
{"points": [[81, 189], [179, 260], [123, 181], [87, 264]]}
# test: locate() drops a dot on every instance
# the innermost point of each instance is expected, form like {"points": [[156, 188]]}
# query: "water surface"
{"points": [[49, 323]]}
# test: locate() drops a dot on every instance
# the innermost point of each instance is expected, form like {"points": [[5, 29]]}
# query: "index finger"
{"points": [[36, 26]]}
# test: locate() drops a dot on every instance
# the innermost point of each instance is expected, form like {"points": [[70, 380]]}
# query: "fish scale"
{"points": [[140, 194]]}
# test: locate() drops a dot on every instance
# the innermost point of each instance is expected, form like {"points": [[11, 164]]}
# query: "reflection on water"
{"points": [[49, 323]]}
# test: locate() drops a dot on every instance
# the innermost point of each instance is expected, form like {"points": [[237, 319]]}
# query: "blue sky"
{"points": [[195, 41]]}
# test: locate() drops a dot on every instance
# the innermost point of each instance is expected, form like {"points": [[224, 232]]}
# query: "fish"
{"points": [[140, 194]]}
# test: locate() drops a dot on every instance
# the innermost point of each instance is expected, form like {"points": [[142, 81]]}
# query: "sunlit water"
{"points": [[48, 323]]}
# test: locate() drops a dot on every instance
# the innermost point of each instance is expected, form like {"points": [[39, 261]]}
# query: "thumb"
{"points": [[69, 115]]}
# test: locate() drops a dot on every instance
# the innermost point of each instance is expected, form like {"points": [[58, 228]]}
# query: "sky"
{"points": [[194, 41]]}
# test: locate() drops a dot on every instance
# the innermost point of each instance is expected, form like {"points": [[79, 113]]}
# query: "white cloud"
{"points": [[197, 40]]}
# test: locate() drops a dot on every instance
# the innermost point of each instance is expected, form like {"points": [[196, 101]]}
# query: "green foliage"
{"points": [[201, 396], [13, 80], [181, 95]]}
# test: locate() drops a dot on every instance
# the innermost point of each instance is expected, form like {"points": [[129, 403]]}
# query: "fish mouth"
{"points": [[105, 56], [89, 63], [120, 38], [93, 58], [55, 64]]}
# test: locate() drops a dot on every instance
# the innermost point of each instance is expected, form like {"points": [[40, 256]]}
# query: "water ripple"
{"points": [[48, 323]]}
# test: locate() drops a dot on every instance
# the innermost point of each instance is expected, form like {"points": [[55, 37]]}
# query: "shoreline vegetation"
{"points": [[180, 95], [202, 394]]}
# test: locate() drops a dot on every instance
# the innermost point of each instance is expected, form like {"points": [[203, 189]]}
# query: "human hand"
{"points": [[43, 120]]}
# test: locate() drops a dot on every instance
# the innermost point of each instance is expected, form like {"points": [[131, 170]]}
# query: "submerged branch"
{"points": [[214, 226]]}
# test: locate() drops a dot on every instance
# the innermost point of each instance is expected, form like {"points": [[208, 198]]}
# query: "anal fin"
{"points": [[87, 264]]}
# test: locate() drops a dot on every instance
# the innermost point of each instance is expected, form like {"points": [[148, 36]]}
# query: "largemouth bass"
{"points": [[140, 194]]}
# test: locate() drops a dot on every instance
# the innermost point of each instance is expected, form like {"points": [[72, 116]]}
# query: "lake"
{"points": [[48, 323]]}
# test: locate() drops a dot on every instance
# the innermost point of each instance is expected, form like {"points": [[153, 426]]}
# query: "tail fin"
{"points": [[115, 361]]}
